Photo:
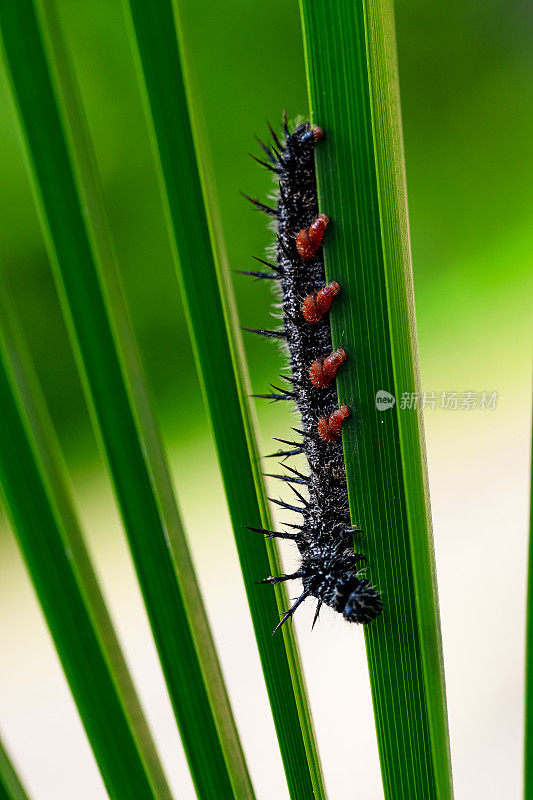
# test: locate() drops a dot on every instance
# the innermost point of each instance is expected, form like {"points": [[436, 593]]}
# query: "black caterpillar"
{"points": [[330, 570]]}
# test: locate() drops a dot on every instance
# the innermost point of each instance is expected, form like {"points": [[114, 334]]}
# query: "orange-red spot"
{"points": [[323, 370], [309, 239], [329, 429], [318, 133], [315, 305]]}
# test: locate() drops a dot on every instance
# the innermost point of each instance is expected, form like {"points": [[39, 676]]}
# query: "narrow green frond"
{"points": [[205, 284], [353, 83], [68, 198], [11, 787], [50, 457], [30, 502]]}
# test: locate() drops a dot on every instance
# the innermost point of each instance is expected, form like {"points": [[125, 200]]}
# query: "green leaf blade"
{"points": [[353, 89], [206, 288], [30, 504], [68, 198], [11, 787], [47, 447]]}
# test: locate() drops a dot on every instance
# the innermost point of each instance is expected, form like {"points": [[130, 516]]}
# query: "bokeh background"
{"points": [[466, 73]]}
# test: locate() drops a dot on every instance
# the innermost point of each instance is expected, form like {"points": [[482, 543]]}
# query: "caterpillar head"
{"points": [[363, 604]]}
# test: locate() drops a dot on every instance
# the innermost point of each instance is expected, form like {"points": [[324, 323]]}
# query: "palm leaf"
{"points": [[11, 787], [65, 182], [203, 274], [38, 507], [353, 83]]}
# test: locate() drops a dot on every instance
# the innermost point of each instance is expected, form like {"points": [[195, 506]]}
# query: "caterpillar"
{"points": [[330, 569]]}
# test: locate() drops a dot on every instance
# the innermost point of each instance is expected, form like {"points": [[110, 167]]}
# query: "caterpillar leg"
{"points": [[329, 429], [309, 239], [316, 305], [323, 370]]}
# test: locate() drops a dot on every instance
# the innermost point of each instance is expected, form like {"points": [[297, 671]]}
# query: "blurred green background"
{"points": [[466, 73]]}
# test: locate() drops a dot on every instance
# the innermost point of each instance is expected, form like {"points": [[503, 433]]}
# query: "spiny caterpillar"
{"points": [[330, 570]]}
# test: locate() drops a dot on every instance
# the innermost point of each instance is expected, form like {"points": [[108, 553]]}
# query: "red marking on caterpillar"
{"points": [[330, 429], [330, 570], [309, 239], [323, 370], [316, 305]]}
